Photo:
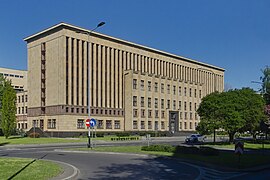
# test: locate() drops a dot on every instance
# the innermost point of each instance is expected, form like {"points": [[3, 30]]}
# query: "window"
{"points": [[156, 87], [179, 91], [156, 125], [149, 113], [22, 110], [190, 92], [156, 102], [185, 115], [22, 98], [25, 109], [142, 101], [142, 85], [174, 104], [156, 113], [135, 101], [78, 110], [190, 116], [134, 83], [143, 113], [168, 89], [190, 125], [100, 124], [80, 124], [180, 125], [185, 105], [162, 103], [174, 90], [180, 105], [116, 124], [162, 114], [195, 106], [26, 98], [200, 94], [196, 116], [108, 124], [185, 91], [19, 99], [149, 102], [149, 124], [149, 85], [19, 110], [162, 125], [142, 125], [185, 124], [51, 123], [181, 115], [195, 93], [135, 125], [168, 104], [190, 106], [135, 113], [162, 88]]}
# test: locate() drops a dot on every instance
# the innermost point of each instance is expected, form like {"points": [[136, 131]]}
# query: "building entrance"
{"points": [[173, 121]]}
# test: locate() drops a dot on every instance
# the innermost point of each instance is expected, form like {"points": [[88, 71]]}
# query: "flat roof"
{"points": [[76, 28]]}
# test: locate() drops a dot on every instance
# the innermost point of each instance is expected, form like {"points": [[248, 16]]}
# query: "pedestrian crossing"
{"points": [[207, 174]]}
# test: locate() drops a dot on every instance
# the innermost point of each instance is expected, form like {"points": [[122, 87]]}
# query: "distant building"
{"points": [[132, 87], [19, 83]]}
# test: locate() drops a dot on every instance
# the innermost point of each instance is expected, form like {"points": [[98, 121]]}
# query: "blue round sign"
{"points": [[93, 122]]}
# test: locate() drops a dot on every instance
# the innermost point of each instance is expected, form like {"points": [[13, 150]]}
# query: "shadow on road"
{"points": [[147, 168]]}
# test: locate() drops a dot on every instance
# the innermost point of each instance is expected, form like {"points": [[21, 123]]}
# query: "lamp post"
{"points": [[89, 99]]}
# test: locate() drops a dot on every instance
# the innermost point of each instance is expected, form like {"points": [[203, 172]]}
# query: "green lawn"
{"points": [[37, 170], [28, 140], [228, 159], [246, 146]]}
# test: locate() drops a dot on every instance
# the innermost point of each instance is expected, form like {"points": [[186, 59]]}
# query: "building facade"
{"points": [[18, 80], [132, 87]]}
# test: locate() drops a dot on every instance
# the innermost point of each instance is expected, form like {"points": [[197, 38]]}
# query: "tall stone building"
{"points": [[132, 87]]}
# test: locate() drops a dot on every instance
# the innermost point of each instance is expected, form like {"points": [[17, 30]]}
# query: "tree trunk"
{"points": [[231, 136]]}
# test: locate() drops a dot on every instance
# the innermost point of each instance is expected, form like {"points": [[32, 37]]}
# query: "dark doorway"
{"points": [[173, 122]]}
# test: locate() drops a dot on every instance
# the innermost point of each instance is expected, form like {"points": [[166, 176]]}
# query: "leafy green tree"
{"points": [[2, 85], [234, 111], [8, 110], [265, 90]]}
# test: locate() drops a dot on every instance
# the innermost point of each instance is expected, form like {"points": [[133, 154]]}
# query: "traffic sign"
{"points": [[93, 122], [87, 122], [239, 148]]}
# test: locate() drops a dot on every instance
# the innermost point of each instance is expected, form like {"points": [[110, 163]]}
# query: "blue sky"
{"points": [[232, 34]]}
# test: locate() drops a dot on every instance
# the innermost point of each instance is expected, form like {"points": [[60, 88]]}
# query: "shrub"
{"points": [[160, 148], [187, 150], [34, 135], [122, 134]]}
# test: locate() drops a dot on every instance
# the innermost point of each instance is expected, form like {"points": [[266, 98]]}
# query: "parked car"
{"points": [[195, 138]]}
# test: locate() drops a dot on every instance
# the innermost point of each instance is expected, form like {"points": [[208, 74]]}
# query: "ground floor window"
{"points": [[80, 124], [116, 124], [162, 125], [156, 125], [149, 124], [135, 125], [100, 124], [108, 124], [142, 125], [51, 123]]}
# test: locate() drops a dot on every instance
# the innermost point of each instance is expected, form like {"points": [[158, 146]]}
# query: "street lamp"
{"points": [[89, 99]]}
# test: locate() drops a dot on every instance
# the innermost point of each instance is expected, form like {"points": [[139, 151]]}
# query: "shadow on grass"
{"points": [[15, 137], [217, 143], [4, 143]]}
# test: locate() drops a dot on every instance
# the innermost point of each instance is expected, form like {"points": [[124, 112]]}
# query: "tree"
{"points": [[234, 111], [208, 110], [8, 110], [2, 85], [265, 90]]}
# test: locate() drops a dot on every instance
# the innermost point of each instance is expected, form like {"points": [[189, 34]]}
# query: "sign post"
{"points": [[87, 122], [239, 150]]}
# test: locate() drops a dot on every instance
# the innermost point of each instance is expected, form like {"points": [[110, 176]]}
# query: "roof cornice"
{"points": [[120, 41]]}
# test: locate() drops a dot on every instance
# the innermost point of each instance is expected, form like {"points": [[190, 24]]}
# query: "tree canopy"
{"points": [[265, 78], [8, 108], [233, 111]]}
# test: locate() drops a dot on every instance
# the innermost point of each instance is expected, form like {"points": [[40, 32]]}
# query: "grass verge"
{"points": [[38, 170], [224, 159]]}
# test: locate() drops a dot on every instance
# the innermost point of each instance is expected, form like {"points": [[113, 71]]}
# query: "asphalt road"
{"points": [[93, 165]]}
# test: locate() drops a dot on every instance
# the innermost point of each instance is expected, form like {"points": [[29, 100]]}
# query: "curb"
{"points": [[70, 172]]}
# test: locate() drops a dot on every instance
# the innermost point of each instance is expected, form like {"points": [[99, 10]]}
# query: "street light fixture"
{"points": [[89, 99]]}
